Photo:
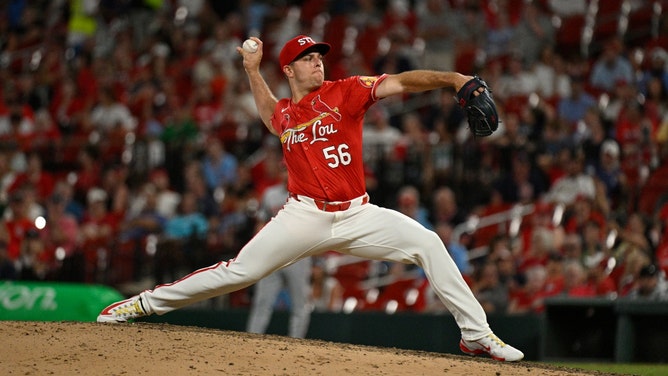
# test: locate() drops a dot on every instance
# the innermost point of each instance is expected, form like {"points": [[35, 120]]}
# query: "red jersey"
{"points": [[16, 229], [322, 138]]}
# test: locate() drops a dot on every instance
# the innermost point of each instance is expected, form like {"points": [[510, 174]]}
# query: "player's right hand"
{"points": [[251, 60]]}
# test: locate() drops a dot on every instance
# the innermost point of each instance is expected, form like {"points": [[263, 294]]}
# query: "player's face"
{"points": [[309, 70]]}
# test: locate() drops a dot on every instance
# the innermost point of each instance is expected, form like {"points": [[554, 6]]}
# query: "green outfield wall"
{"points": [[41, 301]]}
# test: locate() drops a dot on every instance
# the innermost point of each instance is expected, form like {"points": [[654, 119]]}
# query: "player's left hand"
{"points": [[474, 96]]}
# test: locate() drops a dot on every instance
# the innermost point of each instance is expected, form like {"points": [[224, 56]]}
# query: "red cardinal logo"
{"points": [[319, 106]]}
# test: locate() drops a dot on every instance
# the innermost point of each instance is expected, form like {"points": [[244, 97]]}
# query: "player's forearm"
{"points": [[265, 101], [420, 80], [423, 80]]}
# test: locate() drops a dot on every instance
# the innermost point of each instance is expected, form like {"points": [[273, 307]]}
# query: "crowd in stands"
{"points": [[131, 149]]}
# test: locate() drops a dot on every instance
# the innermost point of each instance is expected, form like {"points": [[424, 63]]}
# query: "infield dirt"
{"points": [[74, 348]]}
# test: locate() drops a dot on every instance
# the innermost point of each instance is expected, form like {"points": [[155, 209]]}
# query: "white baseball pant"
{"points": [[300, 230]]}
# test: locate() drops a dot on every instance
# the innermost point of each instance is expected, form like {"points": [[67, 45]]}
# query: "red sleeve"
{"points": [[275, 117], [365, 83], [360, 93]]}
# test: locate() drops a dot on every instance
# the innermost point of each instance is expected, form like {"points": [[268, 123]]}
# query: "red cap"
{"points": [[297, 46]]}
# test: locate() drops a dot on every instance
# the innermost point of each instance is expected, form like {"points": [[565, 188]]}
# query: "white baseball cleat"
{"points": [[492, 345], [123, 311]]}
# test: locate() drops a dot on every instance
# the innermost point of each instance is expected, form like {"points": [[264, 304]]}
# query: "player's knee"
{"points": [[424, 245], [432, 240], [244, 277]]}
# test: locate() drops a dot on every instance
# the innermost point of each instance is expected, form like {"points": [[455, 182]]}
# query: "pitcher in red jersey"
{"points": [[320, 129]]}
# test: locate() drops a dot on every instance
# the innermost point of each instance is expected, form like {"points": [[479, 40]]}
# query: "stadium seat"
{"points": [[606, 22], [569, 35], [639, 28]]}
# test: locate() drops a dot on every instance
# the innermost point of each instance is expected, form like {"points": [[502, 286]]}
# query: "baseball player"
{"points": [[320, 129]]}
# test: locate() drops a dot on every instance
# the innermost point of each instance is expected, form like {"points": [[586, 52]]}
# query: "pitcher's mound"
{"points": [[69, 348]]}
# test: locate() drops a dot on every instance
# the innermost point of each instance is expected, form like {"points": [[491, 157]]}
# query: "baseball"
{"points": [[250, 46]]}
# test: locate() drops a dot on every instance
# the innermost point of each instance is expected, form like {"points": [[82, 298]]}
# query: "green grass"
{"points": [[639, 369]]}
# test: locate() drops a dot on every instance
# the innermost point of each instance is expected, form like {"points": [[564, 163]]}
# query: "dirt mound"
{"points": [[68, 348]]}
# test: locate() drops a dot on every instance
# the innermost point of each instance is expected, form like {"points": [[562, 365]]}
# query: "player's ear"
{"points": [[287, 70]]}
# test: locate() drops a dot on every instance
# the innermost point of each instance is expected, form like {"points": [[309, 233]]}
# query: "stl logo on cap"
{"points": [[305, 40], [297, 46]]}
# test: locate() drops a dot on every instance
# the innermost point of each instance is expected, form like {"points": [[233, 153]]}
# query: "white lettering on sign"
{"points": [[14, 297]]}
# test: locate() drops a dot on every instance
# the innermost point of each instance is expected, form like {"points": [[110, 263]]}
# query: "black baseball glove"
{"points": [[480, 109]]}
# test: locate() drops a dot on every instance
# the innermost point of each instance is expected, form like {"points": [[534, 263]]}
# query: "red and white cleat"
{"points": [[123, 311], [492, 345]]}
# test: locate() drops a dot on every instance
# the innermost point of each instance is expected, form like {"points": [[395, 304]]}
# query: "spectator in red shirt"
{"points": [[68, 106], [18, 224], [543, 243], [582, 211], [89, 173], [7, 173], [31, 265], [530, 298], [36, 176], [46, 139], [636, 135], [400, 18], [207, 109], [16, 121], [97, 231], [61, 234], [632, 236], [576, 282], [542, 219], [114, 183], [601, 279], [628, 269], [265, 165], [86, 80], [554, 282], [99, 223], [594, 248]]}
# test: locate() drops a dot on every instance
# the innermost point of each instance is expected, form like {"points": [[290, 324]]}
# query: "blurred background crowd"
{"points": [[131, 151]]}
